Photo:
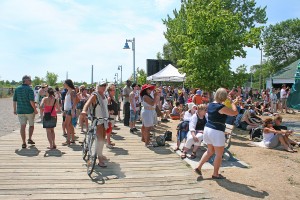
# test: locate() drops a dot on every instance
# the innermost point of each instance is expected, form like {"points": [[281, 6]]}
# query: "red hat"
{"points": [[147, 86]]}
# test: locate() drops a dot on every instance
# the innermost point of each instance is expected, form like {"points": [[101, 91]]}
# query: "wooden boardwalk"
{"points": [[133, 172]]}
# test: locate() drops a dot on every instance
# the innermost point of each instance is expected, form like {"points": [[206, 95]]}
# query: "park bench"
{"points": [[228, 135]]}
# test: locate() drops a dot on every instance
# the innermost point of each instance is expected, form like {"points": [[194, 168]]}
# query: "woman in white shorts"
{"points": [[214, 135], [195, 134]]}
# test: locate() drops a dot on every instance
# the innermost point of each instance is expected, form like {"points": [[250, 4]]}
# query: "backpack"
{"points": [[255, 133]]}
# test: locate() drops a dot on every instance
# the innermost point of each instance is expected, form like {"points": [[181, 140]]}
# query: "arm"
{"points": [[192, 126], [15, 107], [32, 103], [272, 130], [131, 100], [229, 111], [57, 106], [90, 101]]}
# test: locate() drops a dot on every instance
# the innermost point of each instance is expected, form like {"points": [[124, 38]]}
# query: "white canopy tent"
{"points": [[168, 74]]}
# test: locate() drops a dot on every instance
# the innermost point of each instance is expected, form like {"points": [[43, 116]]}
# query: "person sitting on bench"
{"points": [[195, 134]]}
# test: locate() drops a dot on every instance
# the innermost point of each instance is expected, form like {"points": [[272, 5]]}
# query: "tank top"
{"points": [[215, 119], [267, 137], [200, 123], [68, 102], [48, 109]]}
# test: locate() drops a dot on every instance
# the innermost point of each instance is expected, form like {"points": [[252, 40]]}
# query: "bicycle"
{"points": [[89, 145]]}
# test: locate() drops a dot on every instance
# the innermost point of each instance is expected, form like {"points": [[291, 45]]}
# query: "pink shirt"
{"points": [[48, 109]]}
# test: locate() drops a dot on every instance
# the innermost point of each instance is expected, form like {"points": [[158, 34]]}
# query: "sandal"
{"points": [[109, 146], [177, 149], [198, 171], [66, 143], [218, 177], [193, 156], [183, 156], [102, 164], [289, 150], [24, 146]]}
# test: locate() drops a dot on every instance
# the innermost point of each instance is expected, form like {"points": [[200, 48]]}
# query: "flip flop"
{"points": [[218, 177], [198, 171], [183, 156], [102, 165]]}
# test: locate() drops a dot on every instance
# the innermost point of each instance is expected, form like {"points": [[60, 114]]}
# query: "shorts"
{"points": [[190, 141], [68, 112], [23, 118], [181, 135], [214, 137], [133, 116], [283, 102], [274, 142]]}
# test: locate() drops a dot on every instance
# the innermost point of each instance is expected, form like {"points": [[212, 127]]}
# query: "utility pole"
{"points": [[92, 79]]}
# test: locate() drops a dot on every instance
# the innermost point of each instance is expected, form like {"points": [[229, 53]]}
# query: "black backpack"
{"points": [[255, 133]]}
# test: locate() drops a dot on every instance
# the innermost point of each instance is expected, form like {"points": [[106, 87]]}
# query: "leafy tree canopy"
{"points": [[205, 35]]}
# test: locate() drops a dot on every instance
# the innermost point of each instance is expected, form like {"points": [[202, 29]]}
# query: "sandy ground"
{"points": [[272, 174], [8, 121]]}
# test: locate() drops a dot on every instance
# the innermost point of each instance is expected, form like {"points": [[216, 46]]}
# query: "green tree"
{"points": [[282, 43], [51, 78], [205, 35], [241, 76], [141, 76], [37, 81]]}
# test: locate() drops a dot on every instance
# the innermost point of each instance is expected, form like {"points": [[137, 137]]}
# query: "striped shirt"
{"points": [[23, 95]]}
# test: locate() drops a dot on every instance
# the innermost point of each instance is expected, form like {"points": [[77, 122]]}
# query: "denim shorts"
{"points": [[133, 116]]}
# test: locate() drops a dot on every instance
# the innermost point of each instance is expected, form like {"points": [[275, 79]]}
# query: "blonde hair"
{"points": [[110, 86], [202, 107], [220, 95]]}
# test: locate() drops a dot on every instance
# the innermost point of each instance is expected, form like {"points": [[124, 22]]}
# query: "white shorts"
{"points": [[214, 137], [190, 141]]}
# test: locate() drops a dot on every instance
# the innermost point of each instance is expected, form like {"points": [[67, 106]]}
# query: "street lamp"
{"points": [[126, 46], [120, 68]]}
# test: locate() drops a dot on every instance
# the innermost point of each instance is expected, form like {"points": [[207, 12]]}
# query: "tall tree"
{"points": [[205, 35], [37, 81], [282, 43], [141, 76], [51, 78]]}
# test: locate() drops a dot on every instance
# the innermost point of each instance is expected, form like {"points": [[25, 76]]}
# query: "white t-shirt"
{"points": [[282, 93]]}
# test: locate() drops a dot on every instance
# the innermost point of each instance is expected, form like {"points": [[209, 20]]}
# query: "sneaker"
{"points": [[29, 141], [135, 129], [131, 130]]}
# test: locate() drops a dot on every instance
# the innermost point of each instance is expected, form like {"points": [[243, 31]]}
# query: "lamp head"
{"points": [[126, 46]]}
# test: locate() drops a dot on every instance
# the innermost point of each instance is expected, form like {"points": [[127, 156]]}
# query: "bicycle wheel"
{"points": [[84, 147], [92, 155]]}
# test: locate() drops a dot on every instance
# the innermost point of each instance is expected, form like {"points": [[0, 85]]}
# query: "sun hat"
{"points": [[147, 86], [198, 92], [191, 105], [101, 83]]}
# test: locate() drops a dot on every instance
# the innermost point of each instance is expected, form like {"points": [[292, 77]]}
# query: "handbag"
{"points": [[48, 120]]}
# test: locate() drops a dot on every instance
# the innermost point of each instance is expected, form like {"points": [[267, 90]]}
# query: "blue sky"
{"points": [[63, 36]]}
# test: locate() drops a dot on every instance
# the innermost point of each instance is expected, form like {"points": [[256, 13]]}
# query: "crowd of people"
{"points": [[203, 115]]}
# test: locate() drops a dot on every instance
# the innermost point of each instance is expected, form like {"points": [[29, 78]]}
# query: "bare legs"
{"points": [[101, 140], [218, 159], [70, 128], [23, 132], [146, 135], [51, 137]]}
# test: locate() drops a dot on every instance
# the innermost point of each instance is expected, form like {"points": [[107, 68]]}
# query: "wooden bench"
{"points": [[228, 135]]}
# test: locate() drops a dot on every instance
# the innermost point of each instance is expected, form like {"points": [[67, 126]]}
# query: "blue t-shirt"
{"points": [[215, 119]]}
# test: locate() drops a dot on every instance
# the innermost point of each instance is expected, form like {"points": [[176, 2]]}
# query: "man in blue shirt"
{"points": [[24, 107]]}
